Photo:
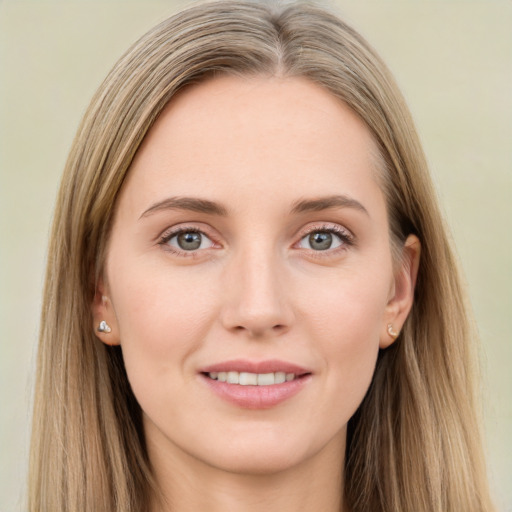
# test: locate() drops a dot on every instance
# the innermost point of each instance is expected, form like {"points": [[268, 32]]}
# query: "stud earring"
{"points": [[104, 327], [392, 332]]}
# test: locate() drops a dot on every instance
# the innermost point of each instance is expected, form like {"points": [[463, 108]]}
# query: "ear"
{"points": [[103, 311], [402, 291]]}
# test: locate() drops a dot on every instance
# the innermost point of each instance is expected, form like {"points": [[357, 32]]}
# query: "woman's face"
{"points": [[250, 243]]}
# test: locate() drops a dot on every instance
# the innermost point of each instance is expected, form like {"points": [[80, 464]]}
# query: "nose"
{"points": [[256, 298]]}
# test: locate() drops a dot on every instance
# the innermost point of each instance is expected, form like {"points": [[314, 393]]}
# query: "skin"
{"points": [[256, 289]]}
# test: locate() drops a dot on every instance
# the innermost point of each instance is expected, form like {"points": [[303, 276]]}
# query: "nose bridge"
{"points": [[257, 300]]}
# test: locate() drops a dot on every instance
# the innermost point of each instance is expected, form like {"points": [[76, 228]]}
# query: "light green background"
{"points": [[453, 60]]}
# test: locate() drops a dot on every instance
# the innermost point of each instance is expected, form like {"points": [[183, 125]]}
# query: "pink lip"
{"points": [[256, 397], [269, 366]]}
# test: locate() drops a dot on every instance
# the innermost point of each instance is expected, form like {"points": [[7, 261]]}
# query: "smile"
{"points": [[255, 385], [252, 379]]}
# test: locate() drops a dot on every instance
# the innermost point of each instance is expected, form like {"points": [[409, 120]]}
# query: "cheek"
{"points": [[162, 318], [346, 322], [348, 308]]}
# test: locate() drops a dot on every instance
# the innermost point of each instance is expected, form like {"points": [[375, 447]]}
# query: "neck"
{"points": [[187, 484]]}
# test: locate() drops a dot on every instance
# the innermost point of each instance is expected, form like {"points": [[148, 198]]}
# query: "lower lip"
{"points": [[257, 397]]}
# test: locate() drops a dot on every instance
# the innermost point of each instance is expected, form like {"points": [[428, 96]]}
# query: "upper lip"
{"points": [[268, 366]]}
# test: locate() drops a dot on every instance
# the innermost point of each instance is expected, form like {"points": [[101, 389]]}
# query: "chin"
{"points": [[261, 455], [258, 462]]}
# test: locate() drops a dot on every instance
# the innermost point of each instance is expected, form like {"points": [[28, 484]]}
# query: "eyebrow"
{"points": [[324, 203], [192, 204]]}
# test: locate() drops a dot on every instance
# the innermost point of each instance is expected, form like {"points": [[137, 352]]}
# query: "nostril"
{"points": [[259, 331]]}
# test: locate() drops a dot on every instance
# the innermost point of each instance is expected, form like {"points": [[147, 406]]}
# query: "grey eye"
{"points": [[321, 241], [190, 241]]}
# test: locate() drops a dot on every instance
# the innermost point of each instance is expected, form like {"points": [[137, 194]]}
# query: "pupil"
{"points": [[321, 240], [189, 241]]}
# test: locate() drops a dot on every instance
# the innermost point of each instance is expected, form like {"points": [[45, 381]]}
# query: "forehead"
{"points": [[236, 134]]}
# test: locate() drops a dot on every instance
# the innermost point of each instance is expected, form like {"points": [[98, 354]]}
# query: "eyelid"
{"points": [[347, 237], [330, 227], [173, 231]]}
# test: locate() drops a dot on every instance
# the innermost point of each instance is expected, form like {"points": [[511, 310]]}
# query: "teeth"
{"points": [[248, 379], [280, 377], [233, 377], [252, 379], [266, 379]]}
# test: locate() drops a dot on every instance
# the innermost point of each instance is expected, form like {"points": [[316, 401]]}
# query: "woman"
{"points": [[251, 300]]}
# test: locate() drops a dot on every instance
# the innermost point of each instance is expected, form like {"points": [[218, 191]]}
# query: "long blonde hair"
{"points": [[414, 443]]}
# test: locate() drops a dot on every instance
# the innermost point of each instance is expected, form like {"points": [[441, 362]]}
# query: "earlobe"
{"points": [[400, 303], [104, 317]]}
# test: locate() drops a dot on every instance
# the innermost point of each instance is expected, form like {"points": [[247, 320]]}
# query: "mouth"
{"points": [[255, 385], [254, 379]]}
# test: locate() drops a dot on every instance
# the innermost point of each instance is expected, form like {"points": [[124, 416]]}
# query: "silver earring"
{"points": [[392, 332], [104, 327]]}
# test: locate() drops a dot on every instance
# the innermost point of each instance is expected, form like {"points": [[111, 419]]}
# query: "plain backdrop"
{"points": [[453, 61]]}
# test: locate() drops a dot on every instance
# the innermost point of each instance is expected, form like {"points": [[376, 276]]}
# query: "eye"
{"points": [[187, 240], [324, 239]]}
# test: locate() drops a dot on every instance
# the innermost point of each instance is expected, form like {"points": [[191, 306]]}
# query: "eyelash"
{"points": [[346, 237], [170, 234], [347, 240]]}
